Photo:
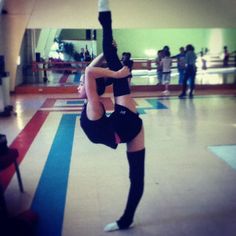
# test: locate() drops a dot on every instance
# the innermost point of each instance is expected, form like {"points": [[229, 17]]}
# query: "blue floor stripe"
{"points": [[50, 196], [226, 153], [157, 104], [75, 102], [77, 77]]}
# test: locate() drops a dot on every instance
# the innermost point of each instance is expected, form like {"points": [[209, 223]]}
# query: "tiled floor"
{"points": [[77, 187]]}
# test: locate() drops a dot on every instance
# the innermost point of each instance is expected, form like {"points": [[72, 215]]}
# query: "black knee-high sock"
{"points": [[136, 174], [120, 86], [110, 52]]}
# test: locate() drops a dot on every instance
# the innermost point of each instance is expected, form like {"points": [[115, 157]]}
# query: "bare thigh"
{"points": [[137, 143]]}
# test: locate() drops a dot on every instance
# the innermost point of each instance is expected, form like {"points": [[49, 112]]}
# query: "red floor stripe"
{"points": [[50, 102], [23, 142], [64, 78]]}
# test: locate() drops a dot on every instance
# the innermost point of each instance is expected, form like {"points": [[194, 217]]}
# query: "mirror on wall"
{"points": [[59, 56]]}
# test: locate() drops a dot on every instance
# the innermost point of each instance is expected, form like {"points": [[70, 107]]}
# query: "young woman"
{"points": [[166, 63], [123, 125], [94, 121], [126, 122]]}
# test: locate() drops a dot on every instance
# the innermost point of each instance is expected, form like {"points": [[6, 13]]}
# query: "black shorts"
{"points": [[98, 131], [126, 123]]}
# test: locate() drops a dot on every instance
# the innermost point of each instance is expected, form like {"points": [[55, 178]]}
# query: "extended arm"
{"points": [[94, 108], [98, 72], [97, 61], [92, 73]]}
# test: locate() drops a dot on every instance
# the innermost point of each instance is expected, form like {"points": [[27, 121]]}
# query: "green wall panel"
{"points": [[137, 41]]}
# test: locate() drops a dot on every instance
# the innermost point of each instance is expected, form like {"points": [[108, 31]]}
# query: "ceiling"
{"points": [[126, 13]]}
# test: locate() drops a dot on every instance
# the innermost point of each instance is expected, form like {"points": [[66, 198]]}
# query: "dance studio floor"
{"points": [[77, 187]]}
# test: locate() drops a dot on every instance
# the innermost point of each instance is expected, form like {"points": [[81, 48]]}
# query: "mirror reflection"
{"points": [[56, 57]]}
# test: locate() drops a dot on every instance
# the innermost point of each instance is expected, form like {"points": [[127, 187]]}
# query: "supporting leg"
{"points": [[136, 174], [192, 83], [184, 88]]}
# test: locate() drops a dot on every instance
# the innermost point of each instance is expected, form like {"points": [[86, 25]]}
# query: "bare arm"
{"points": [[92, 73], [98, 72], [97, 61]]}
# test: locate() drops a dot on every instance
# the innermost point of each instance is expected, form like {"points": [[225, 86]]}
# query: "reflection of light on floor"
{"points": [[226, 153], [19, 118]]}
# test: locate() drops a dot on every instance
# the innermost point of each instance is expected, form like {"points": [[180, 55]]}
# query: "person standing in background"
{"points": [[159, 67], [180, 64], [226, 57], [190, 73], [166, 63], [127, 61]]}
